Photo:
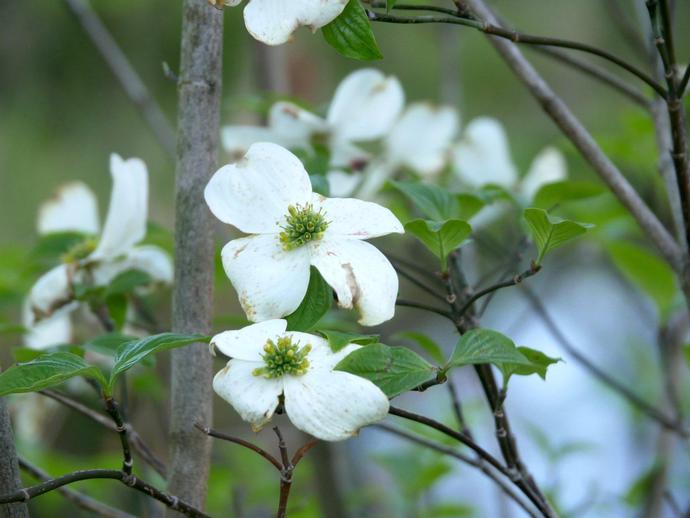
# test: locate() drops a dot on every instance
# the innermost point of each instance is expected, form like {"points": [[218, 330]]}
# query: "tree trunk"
{"points": [[199, 89], [10, 480]]}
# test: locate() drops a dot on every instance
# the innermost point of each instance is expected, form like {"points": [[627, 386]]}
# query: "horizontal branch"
{"points": [[26, 494], [79, 499], [534, 269], [523, 38], [423, 307]]}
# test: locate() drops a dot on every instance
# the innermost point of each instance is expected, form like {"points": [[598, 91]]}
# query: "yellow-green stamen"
{"points": [[303, 224], [283, 357]]}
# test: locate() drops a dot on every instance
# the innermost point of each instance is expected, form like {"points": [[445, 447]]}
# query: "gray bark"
{"points": [[199, 89], [10, 480]]}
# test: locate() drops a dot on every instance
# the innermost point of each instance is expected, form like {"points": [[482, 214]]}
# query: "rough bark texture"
{"points": [[199, 89], [10, 480]]}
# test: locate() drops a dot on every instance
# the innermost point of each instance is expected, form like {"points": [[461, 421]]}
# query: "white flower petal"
{"points": [[483, 156], [238, 139], [294, 126], [422, 137], [125, 224], [274, 21], [248, 343], [254, 193], [149, 259], [346, 154], [51, 291], [357, 219], [365, 105], [548, 166], [333, 405], [270, 282], [360, 275], [342, 184], [73, 208], [255, 398], [53, 330]]}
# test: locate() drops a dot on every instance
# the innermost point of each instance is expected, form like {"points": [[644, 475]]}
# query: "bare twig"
{"points": [[424, 307], [522, 38], [79, 499], [464, 458], [130, 81], [418, 283], [10, 479], [172, 502], [236, 440], [113, 410]]}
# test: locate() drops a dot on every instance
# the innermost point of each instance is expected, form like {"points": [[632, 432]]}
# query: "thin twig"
{"points": [[173, 502], [418, 283], [236, 440], [113, 410], [464, 458], [517, 279], [417, 305], [285, 475], [515, 476], [128, 78], [136, 441], [683, 85], [522, 38], [79, 499]]}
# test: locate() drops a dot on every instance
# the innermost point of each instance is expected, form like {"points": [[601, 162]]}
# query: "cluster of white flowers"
{"points": [[94, 261], [369, 107]]}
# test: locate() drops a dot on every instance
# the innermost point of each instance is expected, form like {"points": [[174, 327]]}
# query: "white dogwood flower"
{"points": [[420, 141], [268, 362], [94, 261], [273, 21], [268, 195], [483, 157], [365, 106]]}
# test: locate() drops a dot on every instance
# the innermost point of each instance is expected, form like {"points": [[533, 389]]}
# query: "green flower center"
{"points": [[302, 225], [80, 250], [283, 357]]}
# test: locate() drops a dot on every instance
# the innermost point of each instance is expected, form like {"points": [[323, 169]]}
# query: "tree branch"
{"points": [[10, 479], [128, 78], [583, 141], [522, 38], [236, 440], [423, 307], [79, 499], [464, 458], [172, 502]]}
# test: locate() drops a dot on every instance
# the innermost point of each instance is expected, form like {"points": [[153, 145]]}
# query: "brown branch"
{"points": [[236, 440], [464, 458], [423, 307], [10, 479], [79, 499]]}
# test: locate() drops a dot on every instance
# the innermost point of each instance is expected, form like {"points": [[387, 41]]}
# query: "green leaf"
{"points": [[549, 232], [426, 343], [52, 246], [46, 371], [107, 344], [320, 184], [11, 329], [441, 237], [26, 354], [390, 4], [315, 304], [486, 346], [553, 194], [339, 339], [350, 34], [539, 364], [646, 271], [131, 353], [468, 205], [393, 369], [434, 202], [127, 281]]}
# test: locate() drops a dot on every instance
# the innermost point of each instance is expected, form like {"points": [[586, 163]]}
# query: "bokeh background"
{"points": [[62, 113]]}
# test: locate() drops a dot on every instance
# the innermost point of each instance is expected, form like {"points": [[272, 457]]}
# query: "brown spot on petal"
{"points": [[239, 251], [352, 283]]}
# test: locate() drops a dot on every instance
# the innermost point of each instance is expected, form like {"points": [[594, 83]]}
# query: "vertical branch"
{"points": [[10, 481], [199, 90]]}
